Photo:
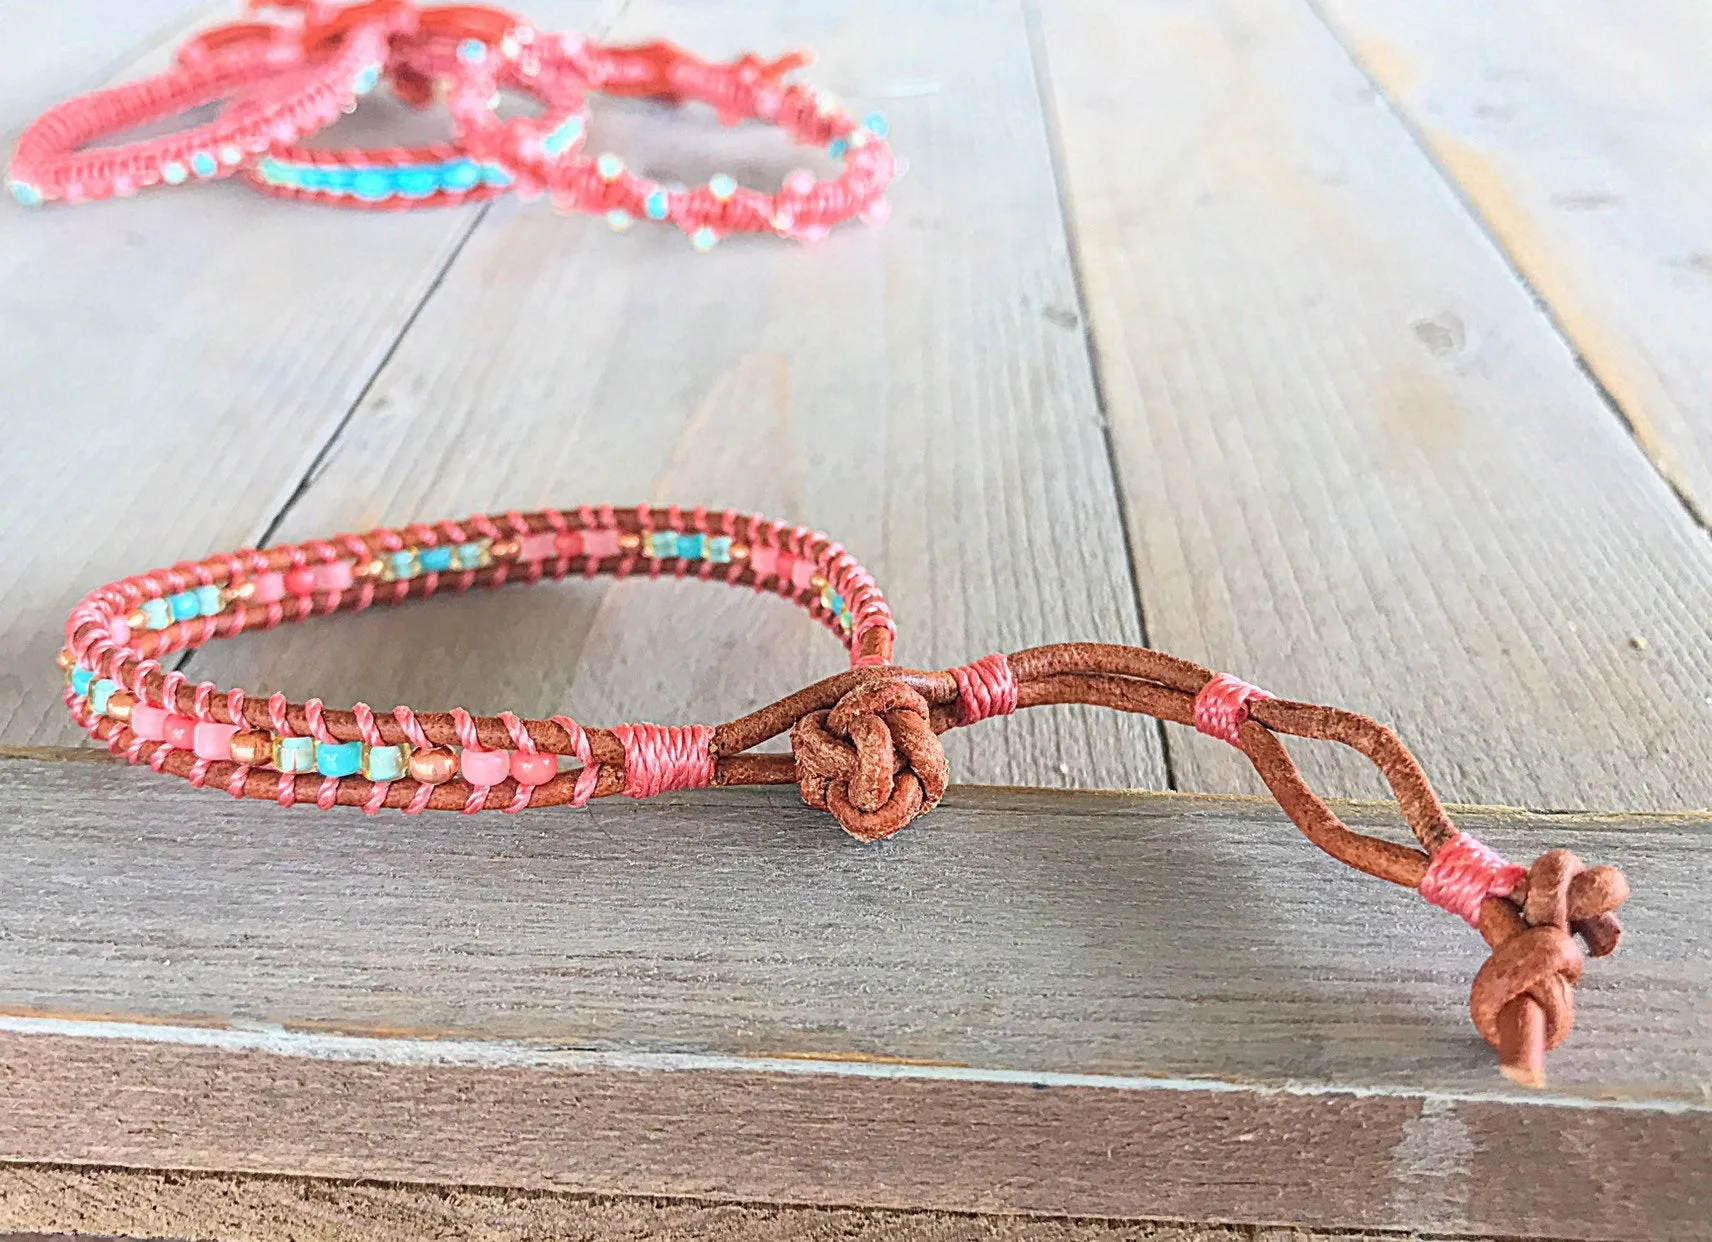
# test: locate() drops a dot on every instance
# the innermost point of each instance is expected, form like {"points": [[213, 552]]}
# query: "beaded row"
{"points": [[118, 634]]}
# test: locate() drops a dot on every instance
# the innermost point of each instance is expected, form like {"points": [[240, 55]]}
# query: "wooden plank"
{"points": [[137, 1203], [913, 391], [55, 49], [1011, 1008], [1575, 131], [173, 365], [1360, 466]]}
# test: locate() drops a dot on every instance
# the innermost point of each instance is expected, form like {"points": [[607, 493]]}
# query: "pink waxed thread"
{"points": [[589, 777], [328, 797], [1222, 706], [412, 728], [312, 716], [985, 688], [1464, 872], [659, 758]]}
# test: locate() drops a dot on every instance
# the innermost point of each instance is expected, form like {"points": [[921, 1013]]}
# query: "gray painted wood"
{"points": [[913, 391], [775, 1012], [1576, 131], [1360, 465]]}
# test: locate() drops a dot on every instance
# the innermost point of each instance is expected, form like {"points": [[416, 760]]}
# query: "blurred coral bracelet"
{"points": [[864, 743]]}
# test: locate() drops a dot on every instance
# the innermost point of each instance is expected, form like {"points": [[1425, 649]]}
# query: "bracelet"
{"points": [[275, 98], [864, 743], [805, 207], [439, 52]]}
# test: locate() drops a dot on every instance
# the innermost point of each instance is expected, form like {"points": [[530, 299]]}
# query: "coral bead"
{"points": [[180, 731], [536, 769], [485, 767], [270, 588], [300, 581], [334, 576], [433, 767], [149, 722], [213, 741]]}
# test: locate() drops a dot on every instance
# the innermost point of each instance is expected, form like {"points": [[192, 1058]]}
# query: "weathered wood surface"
{"points": [[1577, 132], [920, 392], [1359, 465], [970, 1017], [173, 365]]}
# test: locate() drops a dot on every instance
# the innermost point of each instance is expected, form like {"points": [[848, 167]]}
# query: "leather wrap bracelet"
{"points": [[864, 743]]}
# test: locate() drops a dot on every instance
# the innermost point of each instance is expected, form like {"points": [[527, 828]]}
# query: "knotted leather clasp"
{"points": [[1535, 959], [873, 760]]}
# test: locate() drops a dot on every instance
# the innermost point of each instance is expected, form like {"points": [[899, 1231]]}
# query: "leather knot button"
{"points": [[873, 760]]}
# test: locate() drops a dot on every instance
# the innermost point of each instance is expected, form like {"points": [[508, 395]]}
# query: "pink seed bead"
{"points": [[600, 543], [300, 581], [119, 630], [485, 767], [180, 731], [568, 543], [334, 576], [212, 741], [765, 561], [535, 769], [270, 588], [540, 547], [149, 722], [802, 574]]}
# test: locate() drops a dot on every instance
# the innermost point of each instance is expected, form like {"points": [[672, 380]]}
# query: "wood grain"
{"points": [[1360, 466], [1575, 132], [719, 995], [913, 391]]}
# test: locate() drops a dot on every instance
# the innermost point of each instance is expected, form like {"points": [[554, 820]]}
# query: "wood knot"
{"points": [[1522, 1001], [873, 760]]}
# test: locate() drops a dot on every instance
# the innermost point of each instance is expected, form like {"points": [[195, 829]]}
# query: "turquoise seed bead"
{"points": [[563, 137], [657, 206], [372, 185], [26, 193], [721, 186], [618, 220], [367, 80], [493, 174], [385, 763], [184, 605], [704, 239], [338, 758], [417, 182], [203, 164], [435, 560], [846, 619], [837, 147], [609, 166], [337, 180], [80, 679], [662, 543], [692, 547], [99, 693], [294, 754], [472, 51], [231, 155], [157, 614], [719, 549], [876, 124], [472, 555], [269, 170], [402, 564], [173, 173], [459, 175], [207, 601]]}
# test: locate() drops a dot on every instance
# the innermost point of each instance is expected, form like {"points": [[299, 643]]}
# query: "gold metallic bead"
{"points": [[818, 583], [629, 542], [433, 767], [739, 551], [368, 569], [65, 659], [242, 590], [505, 549], [137, 620], [252, 749], [119, 705]]}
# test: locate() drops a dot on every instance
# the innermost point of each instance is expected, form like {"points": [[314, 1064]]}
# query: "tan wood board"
{"points": [[920, 392], [1577, 133], [173, 365], [147, 1204], [768, 1010], [1360, 465]]}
